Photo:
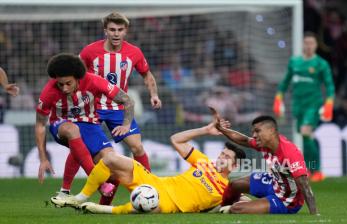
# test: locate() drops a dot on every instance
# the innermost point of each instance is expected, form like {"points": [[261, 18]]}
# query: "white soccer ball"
{"points": [[144, 198]]}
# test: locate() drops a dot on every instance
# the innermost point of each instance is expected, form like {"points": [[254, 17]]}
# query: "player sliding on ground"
{"points": [[280, 191], [198, 189]]}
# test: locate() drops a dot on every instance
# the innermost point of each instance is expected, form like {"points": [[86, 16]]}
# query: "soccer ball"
{"points": [[144, 198]]}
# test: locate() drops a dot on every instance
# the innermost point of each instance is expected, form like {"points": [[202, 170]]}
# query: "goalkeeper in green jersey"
{"points": [[307, 73]]}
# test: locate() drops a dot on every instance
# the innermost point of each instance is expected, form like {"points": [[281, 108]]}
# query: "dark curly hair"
{"points": [[66, 64]]}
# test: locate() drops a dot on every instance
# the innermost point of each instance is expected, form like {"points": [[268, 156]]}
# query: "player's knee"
{"points": [[69, 130], [110, 159], [137, 149]]}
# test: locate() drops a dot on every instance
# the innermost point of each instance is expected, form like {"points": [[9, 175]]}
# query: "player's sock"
{"points": [[99, 175], [143, 160], [230, 195], [123, 209], [107, 200], [311, 154], [71, 168], [81, 154]]}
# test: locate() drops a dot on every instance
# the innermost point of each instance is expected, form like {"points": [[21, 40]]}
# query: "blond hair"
{"points": [[116, 18]]}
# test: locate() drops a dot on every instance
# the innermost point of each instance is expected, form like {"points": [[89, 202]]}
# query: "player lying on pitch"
{"points": [[198, 189]]}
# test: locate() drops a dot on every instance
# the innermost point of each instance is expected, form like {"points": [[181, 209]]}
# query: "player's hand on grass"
{"points": [[44, 166], [155, 102], [121, 130], [12, 89]]}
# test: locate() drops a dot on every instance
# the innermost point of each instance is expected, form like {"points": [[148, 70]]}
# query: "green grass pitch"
{"points": [[26, 201]]}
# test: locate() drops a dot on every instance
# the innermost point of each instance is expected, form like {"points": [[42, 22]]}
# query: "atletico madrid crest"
{"points": [[124, 65], [86, 99]]}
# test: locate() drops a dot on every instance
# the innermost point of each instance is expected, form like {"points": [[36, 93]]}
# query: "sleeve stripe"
{"points": [[190, 152]]}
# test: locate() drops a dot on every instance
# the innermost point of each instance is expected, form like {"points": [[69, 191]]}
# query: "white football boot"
{"points": [[65, 200], [91, 207]]}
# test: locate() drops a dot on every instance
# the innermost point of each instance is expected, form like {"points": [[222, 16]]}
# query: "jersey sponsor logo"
{"points": [[112, 77], [207, 186], [298, 78], [197, 173], [75, 111], [105, 143], [86, 99], [124, 65]]}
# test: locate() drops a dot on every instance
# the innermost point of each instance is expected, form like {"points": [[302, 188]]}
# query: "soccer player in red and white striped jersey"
{"points": [[284, 188], [114, 59], [68, 100]]}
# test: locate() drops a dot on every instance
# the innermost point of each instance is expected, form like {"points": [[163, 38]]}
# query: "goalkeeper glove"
{"points": [[326, 111], [278, 106]]}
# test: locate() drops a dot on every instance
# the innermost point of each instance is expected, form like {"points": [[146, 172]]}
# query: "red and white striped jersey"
{"points": [[116, 67], [286, 164], [78, 107]]}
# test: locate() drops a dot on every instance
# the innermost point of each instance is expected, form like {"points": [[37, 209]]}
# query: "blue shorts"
{"points": [[114, 118], [92, 135], [261, 186]]}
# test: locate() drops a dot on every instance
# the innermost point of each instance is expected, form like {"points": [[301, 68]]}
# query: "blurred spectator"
{"points": [[227, 104], [24, 101], [340, 60], [240, 76], [312, 17], [340, 113], [175, 76]]}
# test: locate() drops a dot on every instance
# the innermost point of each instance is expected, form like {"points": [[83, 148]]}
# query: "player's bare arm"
{"points": [[153, 89], [302, 183], [224, 127], [40, 136], [123, 98], [10, 88], [180, 140]]}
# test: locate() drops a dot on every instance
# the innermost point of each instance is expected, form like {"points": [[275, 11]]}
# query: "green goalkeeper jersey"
{"points": [[307, 77]]}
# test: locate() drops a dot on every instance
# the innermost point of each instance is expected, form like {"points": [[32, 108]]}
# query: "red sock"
{"points": [[108, 200], [71, 168], [81, 154], [143, 160], [230, 195]]}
